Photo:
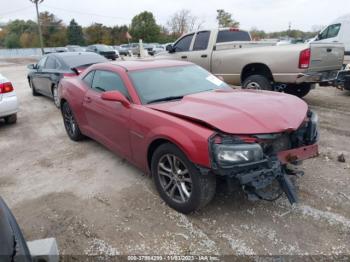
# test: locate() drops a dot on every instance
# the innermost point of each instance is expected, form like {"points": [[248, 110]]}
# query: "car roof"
{"points": [[70, 53], [134, 65]]}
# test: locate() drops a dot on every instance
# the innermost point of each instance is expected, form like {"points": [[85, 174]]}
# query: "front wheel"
{"points": [[70, 123], [12, 119], [299, 90], [178, 180], [259, 82]]}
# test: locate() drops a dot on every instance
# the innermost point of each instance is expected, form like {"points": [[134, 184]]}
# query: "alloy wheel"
{"points": [[69, 120], [174, 178]]}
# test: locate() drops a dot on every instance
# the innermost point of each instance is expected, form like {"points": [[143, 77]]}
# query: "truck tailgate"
{"points": [[326, 56]]}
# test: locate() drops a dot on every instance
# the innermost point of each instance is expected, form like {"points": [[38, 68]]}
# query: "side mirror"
{"points": [[32, 66], [170, 49], [115, 96]]}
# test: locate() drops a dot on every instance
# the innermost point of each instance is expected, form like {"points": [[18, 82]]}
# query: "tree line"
{"points": [[24, 34]]}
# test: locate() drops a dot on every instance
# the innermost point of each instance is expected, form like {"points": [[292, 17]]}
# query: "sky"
{"points": [[268, 15]]}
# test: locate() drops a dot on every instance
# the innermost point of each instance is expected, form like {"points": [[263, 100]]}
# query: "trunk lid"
{"points": [[240, 112], [326, 56]]}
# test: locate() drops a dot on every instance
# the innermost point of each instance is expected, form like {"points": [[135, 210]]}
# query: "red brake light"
{"points": [[234, 29], [304, 59], [6, 88]]}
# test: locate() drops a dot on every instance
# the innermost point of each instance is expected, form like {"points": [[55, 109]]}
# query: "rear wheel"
{"points": [[300, 90], [257, 82], [31, 84], [178, 180], [70, 123], [12, 119], [55, 96]]}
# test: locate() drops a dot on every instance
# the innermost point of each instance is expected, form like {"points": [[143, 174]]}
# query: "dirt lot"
{"points": [[94, 202]]}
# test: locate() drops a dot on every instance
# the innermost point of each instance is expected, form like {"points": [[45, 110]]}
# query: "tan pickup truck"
{"points": [[231, 54]]}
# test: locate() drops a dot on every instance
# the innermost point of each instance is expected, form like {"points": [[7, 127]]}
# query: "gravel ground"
{"points": [[95, 203]]}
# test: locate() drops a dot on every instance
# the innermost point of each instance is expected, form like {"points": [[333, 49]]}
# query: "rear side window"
{"points": [[51, 63], [183, 44], [88, 78], [330, 32], [230, 36], [108, 81], [42, 61], [202, 40]]}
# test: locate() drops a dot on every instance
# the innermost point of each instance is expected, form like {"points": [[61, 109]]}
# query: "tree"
{"points": [[12, 41], [53, 30], [75, 34], [225, 19], [144, 26], [118, 34], [257, 34], [182, 22], [98, 33]]}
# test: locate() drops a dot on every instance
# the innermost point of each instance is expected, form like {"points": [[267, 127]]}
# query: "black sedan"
{"points": [[105, 50], [44, 76]]}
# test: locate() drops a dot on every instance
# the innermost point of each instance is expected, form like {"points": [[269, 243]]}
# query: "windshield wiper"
{"points": [[168, 98]]}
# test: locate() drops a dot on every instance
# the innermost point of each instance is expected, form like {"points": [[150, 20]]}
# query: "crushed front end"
{"points": [[261, 163]]}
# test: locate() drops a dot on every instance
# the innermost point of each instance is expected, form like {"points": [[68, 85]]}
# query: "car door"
{"points": [[108, 120], [330, 34], [36, 76], [182, 48], [200, 53], [49, 75]]}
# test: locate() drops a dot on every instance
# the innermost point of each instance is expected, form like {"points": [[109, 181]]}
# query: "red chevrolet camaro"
{"points": [[187, 128]]}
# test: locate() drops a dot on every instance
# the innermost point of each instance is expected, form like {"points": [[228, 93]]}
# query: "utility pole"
{"points": [[37, 2]]}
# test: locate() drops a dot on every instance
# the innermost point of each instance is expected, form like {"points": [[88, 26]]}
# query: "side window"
{"points": [[108, 81], [329, 32], [50, 63], [42, 61], [183, 44], [201, 42], [88, 78]]}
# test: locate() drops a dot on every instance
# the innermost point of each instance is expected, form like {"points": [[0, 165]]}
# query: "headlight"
{"points": [[228, 155]]}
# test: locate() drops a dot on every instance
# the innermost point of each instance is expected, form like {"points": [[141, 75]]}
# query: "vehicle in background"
{"points": [[104, 50], [8, 102], [123, 50], [187, 128], [75, 48], [60, 49], [13, 245], [44, 76], [230, 54], [154, 48], [339, 32], [116, 51]]}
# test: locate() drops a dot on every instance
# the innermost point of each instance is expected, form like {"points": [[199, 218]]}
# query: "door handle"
{"points": [[184, 56], [204, 56], [329, 50], [87, 99]]}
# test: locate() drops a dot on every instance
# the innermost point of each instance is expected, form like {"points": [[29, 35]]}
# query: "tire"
{"points": [[34, 92], [12, 119], [259, 82], [70, 123], [55, 96], [185, 192], [300, 90]]}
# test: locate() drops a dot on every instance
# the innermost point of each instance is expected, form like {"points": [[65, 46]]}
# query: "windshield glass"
{"points": [[162, 83], [105, 48]]}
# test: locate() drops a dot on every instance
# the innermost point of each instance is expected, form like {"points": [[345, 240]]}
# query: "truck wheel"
{"points": [[300, 90], [12, 119], [179, 182], [257, 82]]}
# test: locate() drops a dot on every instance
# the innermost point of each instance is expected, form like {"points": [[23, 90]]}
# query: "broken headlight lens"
{"points": [[228, 155]]}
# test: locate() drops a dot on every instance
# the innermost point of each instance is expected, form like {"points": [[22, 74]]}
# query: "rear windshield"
{"points": [[104, 48], [230, 36], [82, 59]]}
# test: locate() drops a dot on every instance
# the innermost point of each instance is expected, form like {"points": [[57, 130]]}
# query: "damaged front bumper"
{"points": [[259, 178]]}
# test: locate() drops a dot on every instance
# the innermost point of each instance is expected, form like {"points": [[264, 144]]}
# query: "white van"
{"points": [[338, 32]]}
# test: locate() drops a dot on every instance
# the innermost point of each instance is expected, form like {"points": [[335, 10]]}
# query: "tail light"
{"points": [[304, 59], [6, 88]]}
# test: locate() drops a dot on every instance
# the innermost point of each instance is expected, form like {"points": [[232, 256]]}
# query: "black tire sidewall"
{"points": [[300, 90], [77, 134], [194, 201], [263, 82]]}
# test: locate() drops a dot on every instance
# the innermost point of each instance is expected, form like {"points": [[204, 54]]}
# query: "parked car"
{"points": [[104, 50], [339, 32], [8, 101], [187, 127], [231, 54], [75, 48], [154, 48], [124, 50], [44, 76], [13, 246]]}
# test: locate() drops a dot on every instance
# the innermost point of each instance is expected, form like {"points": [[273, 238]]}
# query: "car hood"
{"points": [[240, 111]]}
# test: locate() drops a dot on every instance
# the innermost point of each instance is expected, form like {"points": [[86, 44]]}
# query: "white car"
{"points": [[8, 101]]}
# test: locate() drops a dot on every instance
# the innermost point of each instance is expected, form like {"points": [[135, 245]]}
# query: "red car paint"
{"points": [[188, 123]]}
